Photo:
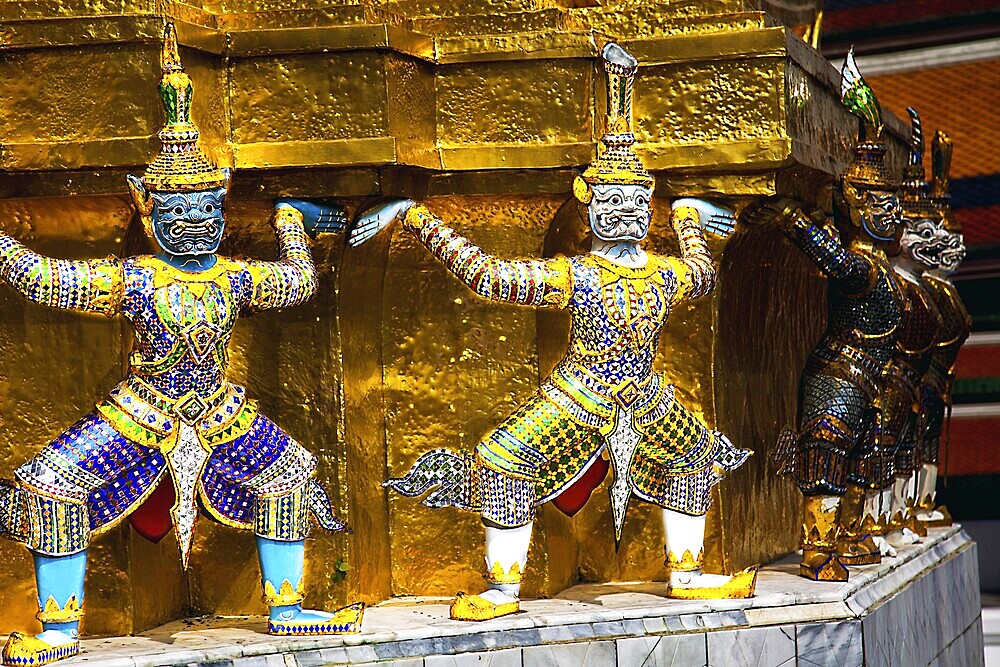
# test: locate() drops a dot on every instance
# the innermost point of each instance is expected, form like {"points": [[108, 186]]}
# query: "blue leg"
{"points": [[281, 570], [59, 580]]}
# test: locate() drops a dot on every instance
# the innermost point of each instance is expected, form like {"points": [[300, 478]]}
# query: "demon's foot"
{"points": [[27, 650], [698, 586], [884, 547], [854, 551], [295, 621], [491, 604]]}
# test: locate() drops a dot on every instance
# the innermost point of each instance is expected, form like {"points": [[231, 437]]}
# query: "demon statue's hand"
{"points": [[317, 218], [376, 218], [772, 209], [716, 219]]}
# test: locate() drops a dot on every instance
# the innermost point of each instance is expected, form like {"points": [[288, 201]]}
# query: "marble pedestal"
{"points": [[920, 608]]}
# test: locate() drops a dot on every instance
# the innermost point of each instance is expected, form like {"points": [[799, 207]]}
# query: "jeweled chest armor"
{"points": [[868, 319], [183, 323], [617, 316]]}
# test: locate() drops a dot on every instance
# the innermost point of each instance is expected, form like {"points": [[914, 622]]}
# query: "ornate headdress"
{"points": [[915, 193], [181, 165], [941, 171], [617, 163], [867, 168]]}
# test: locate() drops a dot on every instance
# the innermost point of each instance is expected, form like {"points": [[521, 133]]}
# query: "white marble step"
{"points": [[919, 608]]}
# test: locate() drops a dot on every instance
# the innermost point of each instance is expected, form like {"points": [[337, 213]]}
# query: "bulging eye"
{"points": [[616, 200], [209, 208], [640, 200], [178, 210]]}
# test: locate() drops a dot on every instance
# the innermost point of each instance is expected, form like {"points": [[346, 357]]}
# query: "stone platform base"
{"points": [[920, 608]]}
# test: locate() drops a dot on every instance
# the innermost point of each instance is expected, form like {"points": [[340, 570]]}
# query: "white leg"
{"points": [[873, 505], [684, 541], [506, 556], [900, 495], [885, 504], [877, 506], [926, 489]]}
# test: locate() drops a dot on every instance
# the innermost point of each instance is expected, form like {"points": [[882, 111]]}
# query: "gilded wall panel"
{"points": [[412, 108], [309, 96], [709, 102], [766, 329], [533, 101], [94, 99]]}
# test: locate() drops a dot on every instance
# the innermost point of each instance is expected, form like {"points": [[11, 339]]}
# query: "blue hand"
{"points": [[317, 218]]}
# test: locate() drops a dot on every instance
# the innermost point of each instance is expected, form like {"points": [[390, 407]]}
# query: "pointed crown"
{"points": [[915, 189], [867, 168], [181, 165], [618, 163], [941, 180]]}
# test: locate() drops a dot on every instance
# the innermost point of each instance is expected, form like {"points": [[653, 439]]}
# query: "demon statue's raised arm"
{"points": [[603, 399], [175, 419]]}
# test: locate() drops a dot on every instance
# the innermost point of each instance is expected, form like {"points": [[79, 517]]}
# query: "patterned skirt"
{"points": [[93, 465], [676, 463]]}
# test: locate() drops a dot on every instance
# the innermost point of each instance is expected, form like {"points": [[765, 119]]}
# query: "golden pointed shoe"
{"points": [[855, 551], [345, 621], [741, 585], [940, 523], [467, 607], [27, 650], [822, 566]]}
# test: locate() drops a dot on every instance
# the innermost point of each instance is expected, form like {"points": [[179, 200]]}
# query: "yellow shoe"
{"points": [[943, 522], [741, 585], [28, 650], [467, 607], [346, 620]]}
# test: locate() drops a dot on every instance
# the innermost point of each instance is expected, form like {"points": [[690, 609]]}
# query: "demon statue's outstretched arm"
{"points": [[851, 270], [695, 268], [92, 285], [529, 282], [292, 279]]}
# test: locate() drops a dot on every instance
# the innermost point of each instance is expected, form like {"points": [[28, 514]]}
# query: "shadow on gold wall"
{"points": [[771, 312]]}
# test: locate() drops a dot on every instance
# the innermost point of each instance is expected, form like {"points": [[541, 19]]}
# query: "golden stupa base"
{"points": [[483, 109]]}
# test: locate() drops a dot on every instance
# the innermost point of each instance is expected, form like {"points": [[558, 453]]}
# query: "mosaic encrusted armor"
{"points": [[604, 388], [839, 414], [175, 413], [935, 390], [903, 428]]}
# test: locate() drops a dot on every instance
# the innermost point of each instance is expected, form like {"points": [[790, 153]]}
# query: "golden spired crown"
{"points": [[941, 171], [915, 198], [617, 163], [867, 169], [181, 165]]}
